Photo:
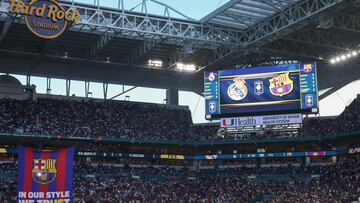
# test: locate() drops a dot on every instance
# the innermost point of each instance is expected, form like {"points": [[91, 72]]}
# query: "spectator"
{"points": [[99, 183]]}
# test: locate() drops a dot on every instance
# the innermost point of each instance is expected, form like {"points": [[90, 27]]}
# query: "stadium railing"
{"points": [[191, 143]]}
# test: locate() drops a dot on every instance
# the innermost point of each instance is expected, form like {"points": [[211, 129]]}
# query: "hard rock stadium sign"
{"points": [[45, 18]]}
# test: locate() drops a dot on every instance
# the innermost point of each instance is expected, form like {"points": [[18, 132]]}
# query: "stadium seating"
{"points": [[85, 119], [94, 182], [130, 120]]}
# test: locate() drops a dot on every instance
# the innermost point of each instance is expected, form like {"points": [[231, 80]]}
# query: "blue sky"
{"points": [[195, 9]]}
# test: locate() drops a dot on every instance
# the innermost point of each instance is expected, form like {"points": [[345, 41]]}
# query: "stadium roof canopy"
{"points": [[114, 45], [244, 14]]}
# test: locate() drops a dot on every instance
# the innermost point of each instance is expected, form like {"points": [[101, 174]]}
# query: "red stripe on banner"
{"points": [[28, 166], [61, 170], [44, 188]]}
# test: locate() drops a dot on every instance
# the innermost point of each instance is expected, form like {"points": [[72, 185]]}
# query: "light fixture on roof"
{"points": [[186, 67], [344, 56], [155, 63]]}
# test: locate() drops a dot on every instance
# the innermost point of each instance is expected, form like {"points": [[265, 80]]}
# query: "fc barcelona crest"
{"points": [[44, 171], [238, 90], [307, 68], [281, 85]]}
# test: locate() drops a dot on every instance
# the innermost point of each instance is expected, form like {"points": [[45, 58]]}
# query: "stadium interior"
{"points": [[131, 151]]}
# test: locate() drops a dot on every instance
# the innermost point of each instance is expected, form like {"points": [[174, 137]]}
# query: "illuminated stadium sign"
{"points": [[281, 89], [45, 18], [261, 120]]}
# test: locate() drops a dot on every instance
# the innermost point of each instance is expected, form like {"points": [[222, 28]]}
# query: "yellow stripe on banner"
{"points": [[47, 164], [258, 75], [261, 103]]}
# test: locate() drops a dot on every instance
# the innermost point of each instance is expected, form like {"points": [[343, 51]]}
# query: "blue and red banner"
{"points": [[45, 176]]}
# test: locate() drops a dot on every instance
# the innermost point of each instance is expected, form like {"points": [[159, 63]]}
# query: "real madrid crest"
{"points": [[211, 77], [238, 90]]}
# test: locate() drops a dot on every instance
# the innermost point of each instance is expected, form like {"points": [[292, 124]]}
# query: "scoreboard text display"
{"points": [[266, 90]]}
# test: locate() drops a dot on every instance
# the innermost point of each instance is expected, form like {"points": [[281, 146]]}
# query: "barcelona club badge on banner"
{"points": [[45, 175], [44, 171]]}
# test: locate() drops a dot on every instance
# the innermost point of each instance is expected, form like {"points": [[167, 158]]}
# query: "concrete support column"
{"points": [[105, 90], [172, 97], [48, 85], [68, 83]]}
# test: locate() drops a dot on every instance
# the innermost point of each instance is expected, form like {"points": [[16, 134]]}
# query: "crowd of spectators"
{"points": [[94, 119], [130, 120], [347, 121], [7, 190], [105, 183]]}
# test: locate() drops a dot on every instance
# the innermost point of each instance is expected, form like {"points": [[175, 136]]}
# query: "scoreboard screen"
{"points": [[290, 88]]}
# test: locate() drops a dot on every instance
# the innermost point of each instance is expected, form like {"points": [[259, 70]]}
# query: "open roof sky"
{"points": [[195, 9]]}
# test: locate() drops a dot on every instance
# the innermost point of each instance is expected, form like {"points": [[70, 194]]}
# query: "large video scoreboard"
{"points": [[264, 90]]}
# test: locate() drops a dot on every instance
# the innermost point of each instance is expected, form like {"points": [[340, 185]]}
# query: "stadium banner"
{"points": [[216, 156], [265, 155], [45, 176], [261, 120]]}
